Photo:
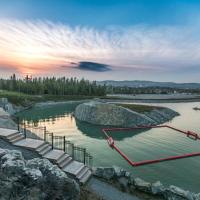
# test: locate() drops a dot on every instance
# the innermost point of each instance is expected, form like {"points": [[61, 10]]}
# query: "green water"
{"points": [[138, 146]]}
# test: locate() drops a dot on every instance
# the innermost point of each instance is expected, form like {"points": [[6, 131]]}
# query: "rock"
{"points": [[176, 193], [157, 188], [161, 115], [34, 174], [109, 114], [127, 174], [33, 179], [196, 196], [9, 108], [3, 113], [119, 172], [3, 101], [5, 121], [12, 163], [142, 185], [123, 182], [104, 172], [126, 182]]}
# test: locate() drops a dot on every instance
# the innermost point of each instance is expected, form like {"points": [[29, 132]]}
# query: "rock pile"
{"points": [[128, 183], [99, 113], [33, 179]]}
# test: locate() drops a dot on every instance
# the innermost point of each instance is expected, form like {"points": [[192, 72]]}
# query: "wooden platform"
{"points": [[30, 143], [4, 133], [54, 155]]}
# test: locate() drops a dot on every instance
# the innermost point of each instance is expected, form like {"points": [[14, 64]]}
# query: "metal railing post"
{"points": [[24, 129], [64, 143], [18, 124], [72, 150], [52, 139], [91, 161], [84, 156], [45, 132]]}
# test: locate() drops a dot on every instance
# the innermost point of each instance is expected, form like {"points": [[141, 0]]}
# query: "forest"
{"points": [[52, 86]]}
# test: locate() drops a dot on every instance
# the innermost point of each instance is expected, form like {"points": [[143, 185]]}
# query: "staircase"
{"points": [[74, 169]]}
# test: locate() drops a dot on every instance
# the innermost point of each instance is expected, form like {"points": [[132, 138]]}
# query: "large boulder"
{"points": [[33, 179], [99, 113]]}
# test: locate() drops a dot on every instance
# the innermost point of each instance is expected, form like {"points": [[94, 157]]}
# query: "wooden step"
{"points": [[5, 133], [74, 167], [13, 136], [82, 172], [42, 147], [46, 150], [86, 177], [62, 158], [66, 162], [16, 139], [54, 155]]}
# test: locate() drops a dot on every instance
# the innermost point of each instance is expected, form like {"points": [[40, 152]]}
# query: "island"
{"points": [[123, 115]]}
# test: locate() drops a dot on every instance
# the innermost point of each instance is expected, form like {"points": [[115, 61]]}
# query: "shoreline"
{"points": [[142, 186], [116, 100]]}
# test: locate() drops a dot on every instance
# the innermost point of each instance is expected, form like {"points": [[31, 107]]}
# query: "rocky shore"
{"points": [[126, 182], [33, 179], [95, 112]]}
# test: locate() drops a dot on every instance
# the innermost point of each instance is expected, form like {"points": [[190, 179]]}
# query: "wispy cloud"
{"points": [[33, 45]]}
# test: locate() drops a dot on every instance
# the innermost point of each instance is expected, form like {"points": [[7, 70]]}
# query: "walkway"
{"points": [[73, 168], [107, 191]]}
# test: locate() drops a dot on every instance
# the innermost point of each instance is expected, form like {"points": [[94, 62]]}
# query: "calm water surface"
{"points": [[138, 146]]}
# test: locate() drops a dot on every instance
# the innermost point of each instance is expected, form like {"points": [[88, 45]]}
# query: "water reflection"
{"points": [[95, 131], [60, 120]]}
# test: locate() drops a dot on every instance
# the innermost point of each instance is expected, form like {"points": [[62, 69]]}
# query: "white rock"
{"points": [[35, 174], [180, 192], [196, 196], [142, 185], [157, 188]]}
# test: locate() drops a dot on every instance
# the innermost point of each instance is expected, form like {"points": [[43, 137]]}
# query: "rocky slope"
{"points": [[109, 114], [126, 182], [33, 179]]}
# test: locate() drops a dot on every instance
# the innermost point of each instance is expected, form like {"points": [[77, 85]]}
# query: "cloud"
{"points": [[36, 45], [91, 66]]}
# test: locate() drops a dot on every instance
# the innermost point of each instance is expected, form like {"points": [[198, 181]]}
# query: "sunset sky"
{"points": [[156, 40]]}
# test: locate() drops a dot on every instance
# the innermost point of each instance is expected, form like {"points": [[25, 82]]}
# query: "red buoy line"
{"points": [[111, 142]]}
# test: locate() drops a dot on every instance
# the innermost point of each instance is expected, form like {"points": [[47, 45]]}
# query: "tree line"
{"points": [[52, 86], [148, 90]]}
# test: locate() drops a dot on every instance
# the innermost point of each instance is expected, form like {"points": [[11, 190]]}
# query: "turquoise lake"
{"points": [[148, 144]]}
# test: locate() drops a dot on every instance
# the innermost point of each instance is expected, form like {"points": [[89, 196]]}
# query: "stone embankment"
{"points": [[109, 114], [127, 183], [33, 179]]}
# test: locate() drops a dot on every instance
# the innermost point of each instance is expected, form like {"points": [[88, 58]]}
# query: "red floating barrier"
{"points": [[110, 140]]}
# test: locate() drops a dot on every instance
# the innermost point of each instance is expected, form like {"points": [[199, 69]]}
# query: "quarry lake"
{"points": [[147, 144]]}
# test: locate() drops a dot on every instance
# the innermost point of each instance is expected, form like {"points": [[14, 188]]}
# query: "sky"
{"points": [[157, 40]]}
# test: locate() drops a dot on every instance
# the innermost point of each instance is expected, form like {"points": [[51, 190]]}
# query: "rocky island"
{"points": [[98, 113]]}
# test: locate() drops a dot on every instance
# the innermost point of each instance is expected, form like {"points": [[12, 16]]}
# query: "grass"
{"points": [[27, 100], [139, 108]]}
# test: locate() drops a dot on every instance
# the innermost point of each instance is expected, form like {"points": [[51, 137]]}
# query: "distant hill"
{"points": [[142, 84]]}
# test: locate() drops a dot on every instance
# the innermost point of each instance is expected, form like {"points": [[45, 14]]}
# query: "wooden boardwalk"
{"points": [[75, 169]]}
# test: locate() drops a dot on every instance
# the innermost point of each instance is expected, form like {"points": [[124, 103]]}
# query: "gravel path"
{"points": [[28, 154], [108, 192]]}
